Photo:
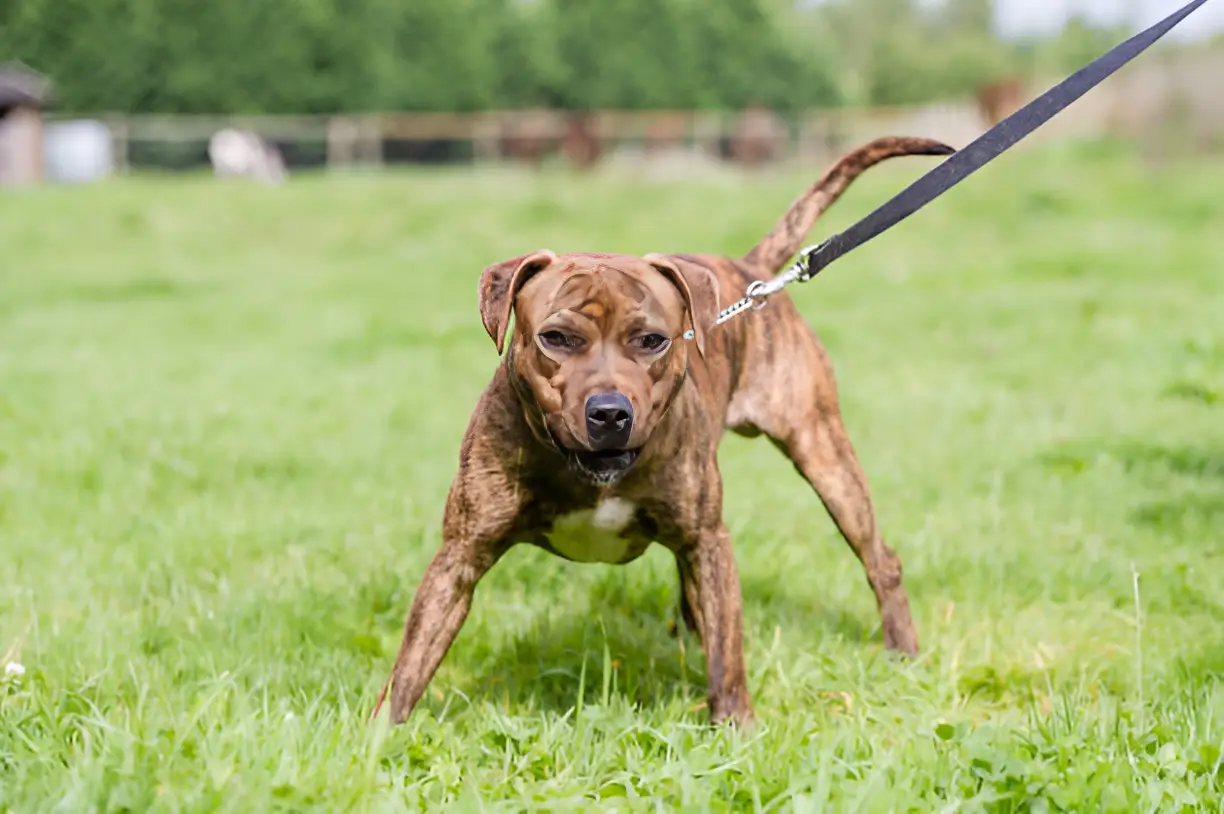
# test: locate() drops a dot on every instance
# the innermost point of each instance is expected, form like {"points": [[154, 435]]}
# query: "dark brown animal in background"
{"points": [[533, 136], [999, 100], [757, 137], [581, 144], [529, 136], [599, 431]]}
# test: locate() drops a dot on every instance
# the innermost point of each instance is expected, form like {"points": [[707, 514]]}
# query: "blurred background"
{"points": [[94, 87]]}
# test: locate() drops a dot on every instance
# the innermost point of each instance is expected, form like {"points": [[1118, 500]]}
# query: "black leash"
{"points": [[959, 166]]}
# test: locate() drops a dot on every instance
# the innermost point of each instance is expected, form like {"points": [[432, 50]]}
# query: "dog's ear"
{"points": [[499, 284], [699, 287]]}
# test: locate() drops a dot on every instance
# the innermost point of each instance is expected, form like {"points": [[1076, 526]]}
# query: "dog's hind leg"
{"points": [[821, 452], [789, 393]]}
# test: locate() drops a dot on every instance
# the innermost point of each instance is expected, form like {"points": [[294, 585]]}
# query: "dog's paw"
{"points": [[900, 637], [733, 708]]}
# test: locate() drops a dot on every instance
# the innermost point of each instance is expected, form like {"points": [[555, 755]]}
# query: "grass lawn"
{"points": [[229, 417]]}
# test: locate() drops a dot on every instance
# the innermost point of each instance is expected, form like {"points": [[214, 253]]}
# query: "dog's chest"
{"points": [[601, 534]]}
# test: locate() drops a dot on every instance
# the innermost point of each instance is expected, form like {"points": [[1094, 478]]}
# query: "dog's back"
{"points": [[756, 351]]}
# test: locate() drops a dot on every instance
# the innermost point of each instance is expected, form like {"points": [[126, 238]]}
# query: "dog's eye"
{"points": [[652, 343], [555, 340]]}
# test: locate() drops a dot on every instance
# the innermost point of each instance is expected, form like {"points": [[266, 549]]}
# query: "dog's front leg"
{"points": [[711, 587], [438, 610]]}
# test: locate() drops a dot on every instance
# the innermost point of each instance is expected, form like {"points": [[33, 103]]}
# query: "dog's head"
{"points": [[597, 354]]}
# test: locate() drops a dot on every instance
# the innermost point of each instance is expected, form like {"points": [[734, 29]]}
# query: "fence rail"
{"points": [[1141, 102], [348, 141]]}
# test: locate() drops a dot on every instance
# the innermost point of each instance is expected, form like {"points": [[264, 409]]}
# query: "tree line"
{"points": [[328, 56]]}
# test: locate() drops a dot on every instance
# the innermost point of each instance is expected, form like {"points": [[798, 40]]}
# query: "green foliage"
{"points": [[899, 52], [1077, 44], [252, 56], [319, 56]]}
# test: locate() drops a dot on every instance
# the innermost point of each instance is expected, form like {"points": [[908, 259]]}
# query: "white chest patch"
{"points": [[594, 535]]}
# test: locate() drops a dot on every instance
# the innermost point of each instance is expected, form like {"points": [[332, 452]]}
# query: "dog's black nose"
{"points": [[609, 419]]}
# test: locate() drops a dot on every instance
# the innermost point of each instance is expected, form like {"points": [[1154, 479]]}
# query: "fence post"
{"points": [[486, 137], [343, 135], [118, 127], [371, 141]]}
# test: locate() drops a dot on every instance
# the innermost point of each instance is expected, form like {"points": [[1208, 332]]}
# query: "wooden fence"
{"points": [[752, 137], [1139, 103]]}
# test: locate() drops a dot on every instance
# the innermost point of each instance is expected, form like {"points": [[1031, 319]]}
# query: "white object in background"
{"points": [[77, 152], [243, 153]]}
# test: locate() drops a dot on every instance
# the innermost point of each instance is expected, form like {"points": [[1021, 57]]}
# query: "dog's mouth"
{"points": [[603, 467]]}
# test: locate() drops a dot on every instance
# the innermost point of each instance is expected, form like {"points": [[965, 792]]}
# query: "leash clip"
{"points": [[756, 294], [758, 291], [807, 266]]}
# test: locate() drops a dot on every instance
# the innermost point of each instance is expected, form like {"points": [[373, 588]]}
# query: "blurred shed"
{"points": [[23, 96]]}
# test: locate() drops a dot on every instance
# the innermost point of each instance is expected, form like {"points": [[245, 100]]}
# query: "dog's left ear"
{"points": [[698, 286], [499, 284]]}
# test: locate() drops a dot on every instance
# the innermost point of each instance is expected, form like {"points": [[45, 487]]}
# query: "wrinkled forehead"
{"points": [[602, 290]]}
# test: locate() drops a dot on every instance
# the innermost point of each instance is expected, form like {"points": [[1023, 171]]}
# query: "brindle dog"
{"points": [[598, 433]]}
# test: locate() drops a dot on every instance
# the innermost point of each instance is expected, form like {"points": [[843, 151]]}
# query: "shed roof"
{"points": [[21, 86]]}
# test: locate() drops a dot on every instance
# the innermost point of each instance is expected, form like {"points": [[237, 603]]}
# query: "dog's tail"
{"points": [[786, 238]]}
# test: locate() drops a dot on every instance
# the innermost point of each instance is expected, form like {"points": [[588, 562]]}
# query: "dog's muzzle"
{"points": [[609, 423]]}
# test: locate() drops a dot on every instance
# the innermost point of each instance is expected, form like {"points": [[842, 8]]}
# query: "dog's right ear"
{"points": [[499, 284]]}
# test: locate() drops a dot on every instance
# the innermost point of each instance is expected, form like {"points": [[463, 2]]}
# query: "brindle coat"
{"points": [[536, 465]]}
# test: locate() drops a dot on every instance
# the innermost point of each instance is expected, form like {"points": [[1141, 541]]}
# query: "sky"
{"points": [[1039, 16]]}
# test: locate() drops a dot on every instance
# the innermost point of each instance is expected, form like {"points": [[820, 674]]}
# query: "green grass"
{"points": [[229, 417]]}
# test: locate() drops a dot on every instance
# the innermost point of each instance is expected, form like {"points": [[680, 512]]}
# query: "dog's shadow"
{"points": [[627, 643]]}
